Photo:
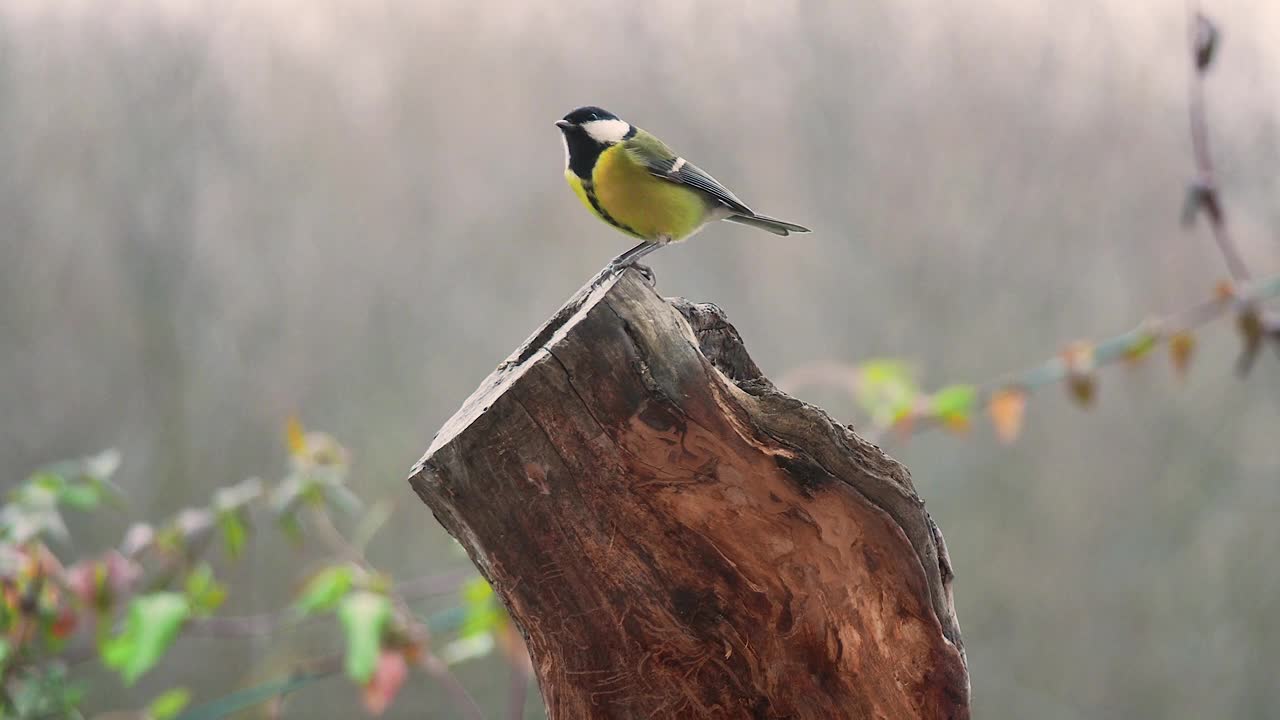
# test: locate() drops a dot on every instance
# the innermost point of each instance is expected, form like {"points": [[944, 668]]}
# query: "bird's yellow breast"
{"points": [[623, 193]]}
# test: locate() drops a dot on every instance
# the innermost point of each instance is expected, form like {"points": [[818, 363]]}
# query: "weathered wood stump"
{"points": [[677, 538]]}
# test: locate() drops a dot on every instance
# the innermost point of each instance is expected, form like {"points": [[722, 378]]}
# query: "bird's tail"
{"points": [[764, 222]]}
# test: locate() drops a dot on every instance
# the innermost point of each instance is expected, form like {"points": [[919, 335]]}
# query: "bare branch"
{"points": [[1204, 193]]}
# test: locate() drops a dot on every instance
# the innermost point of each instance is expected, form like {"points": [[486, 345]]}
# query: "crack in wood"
{"points": [[676, 537]]}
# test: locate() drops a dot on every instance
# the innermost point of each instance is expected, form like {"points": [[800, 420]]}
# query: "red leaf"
{"points": [[385, 683], [65, 624]]}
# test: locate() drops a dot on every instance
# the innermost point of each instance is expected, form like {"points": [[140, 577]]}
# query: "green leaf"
{"points": [[1141, 346], [4, 652], [364, 615], [325, 589], [955, 403], [247, 698], [291, 527], [204, 591], [81, 497], [476, 590], [152, 624], [114, 649], [886, 390], [483, 612], [42, 489], [169, 704], [234, 531]]}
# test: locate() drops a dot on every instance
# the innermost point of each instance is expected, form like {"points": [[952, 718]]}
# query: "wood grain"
{"points": [[677, 538]]}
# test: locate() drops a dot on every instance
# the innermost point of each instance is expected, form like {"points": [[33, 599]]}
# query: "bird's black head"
{"points": [[588, 131], [587, 114], [595, 124]]}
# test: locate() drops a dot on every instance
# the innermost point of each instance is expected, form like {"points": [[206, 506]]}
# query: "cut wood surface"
{"points": [[676, 538]]}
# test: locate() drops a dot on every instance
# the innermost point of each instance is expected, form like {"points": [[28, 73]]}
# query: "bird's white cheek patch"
{"points": [[607, 131], [565, 142]]}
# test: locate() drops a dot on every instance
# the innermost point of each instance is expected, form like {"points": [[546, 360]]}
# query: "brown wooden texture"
{"points": [[677, 538]]}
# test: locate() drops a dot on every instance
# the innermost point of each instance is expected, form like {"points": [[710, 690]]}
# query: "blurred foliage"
{"points": [[217, 213], [887, 392], [139, 598]]}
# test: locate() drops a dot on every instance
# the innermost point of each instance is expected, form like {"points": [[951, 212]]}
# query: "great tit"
{"points": [[633, 181]]}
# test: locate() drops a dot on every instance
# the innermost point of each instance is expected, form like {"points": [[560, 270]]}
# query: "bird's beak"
{"points": [[564, 124]]}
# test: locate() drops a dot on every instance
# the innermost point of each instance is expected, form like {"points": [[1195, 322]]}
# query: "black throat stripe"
{"points": [[589, 188]]}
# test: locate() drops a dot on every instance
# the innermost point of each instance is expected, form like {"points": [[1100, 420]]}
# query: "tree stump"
{"points": [[676, 538]]}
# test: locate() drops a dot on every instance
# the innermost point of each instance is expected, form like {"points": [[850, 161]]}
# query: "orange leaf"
{"points": [[412, 653], [385, 683], [1078, 356], [1007, 407], [1181, 347], [903, 423], [958, 424], [295, 438]]}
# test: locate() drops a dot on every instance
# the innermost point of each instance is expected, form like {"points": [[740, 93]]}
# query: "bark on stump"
{"points": [[677, 538]]}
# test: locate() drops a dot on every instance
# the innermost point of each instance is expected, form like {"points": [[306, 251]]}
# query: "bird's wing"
{"points": [[661, 162]]}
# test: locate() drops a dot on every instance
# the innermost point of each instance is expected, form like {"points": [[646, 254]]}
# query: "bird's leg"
{"points": [[628, 258]]}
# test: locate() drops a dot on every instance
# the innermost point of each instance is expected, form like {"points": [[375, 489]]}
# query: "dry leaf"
{"points": [[1252, 332], [1082, 382], [1181, 347], [1007, 408], [1204, 42]]}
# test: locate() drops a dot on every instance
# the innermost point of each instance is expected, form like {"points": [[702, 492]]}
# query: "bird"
{"points": [[631, 180]]}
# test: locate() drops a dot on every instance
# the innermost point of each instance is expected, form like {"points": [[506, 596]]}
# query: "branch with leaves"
{"points": [[160, 583], [887, 391], [128, 605], [1205, 197]]}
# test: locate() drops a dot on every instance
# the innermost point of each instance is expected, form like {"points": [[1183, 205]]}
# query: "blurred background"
{"points": [[216, 214]]}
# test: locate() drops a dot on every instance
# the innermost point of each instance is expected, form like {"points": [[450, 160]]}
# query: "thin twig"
{"points": [[417, 630], [1156, 332], [1204, 191], [1055, 370]]}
